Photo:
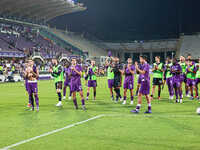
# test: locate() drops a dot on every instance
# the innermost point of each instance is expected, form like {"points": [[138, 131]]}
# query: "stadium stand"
{"points": [[88, 46], [125, 50], [190, 44]]}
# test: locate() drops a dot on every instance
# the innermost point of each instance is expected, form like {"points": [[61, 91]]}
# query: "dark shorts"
{"points": [[67, 83], [110, 83], [117, 82], [92, 83], [32, 87], [157, 81], [58, 85], [76, 87]]}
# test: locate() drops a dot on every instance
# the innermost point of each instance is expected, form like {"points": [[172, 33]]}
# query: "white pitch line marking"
{"points": [[150, 115], [48, 133], [106, 115]]}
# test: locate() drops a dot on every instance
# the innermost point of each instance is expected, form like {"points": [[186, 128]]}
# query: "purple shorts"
{"points": [[197, 81], [183, 78], [177, 83], [92, 83], [145, 87], [169, 81], [128, 85], [110, 83], [190, 82], [26, 85], [32, 87], [139, 80], [76, 87], [67, 83]]}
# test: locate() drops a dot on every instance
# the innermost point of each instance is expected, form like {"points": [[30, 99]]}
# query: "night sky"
{"points": [[133, 19]]}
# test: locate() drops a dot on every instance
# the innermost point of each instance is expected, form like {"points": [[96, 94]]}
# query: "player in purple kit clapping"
{"points": [[128, 71], [145, 84], [75, 72]]}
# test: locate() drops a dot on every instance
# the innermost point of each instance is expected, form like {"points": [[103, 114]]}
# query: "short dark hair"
{"points": [[158, 57], [189, 54], [144, 57]]}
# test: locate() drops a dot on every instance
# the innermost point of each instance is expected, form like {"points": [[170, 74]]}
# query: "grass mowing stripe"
{"points": [[31, 139]]}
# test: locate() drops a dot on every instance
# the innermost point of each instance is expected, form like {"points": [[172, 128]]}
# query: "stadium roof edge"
{"points": [[37, 9]]}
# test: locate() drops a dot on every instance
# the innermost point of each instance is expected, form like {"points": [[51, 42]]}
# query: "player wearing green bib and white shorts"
{"points": [[157, 70], [92, 79], [110, 76], [57, 73]]}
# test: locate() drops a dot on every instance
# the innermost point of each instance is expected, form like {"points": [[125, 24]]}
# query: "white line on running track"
{"points": [[31, 139], [159, 116]]}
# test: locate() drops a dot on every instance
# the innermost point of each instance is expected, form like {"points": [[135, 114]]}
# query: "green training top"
{"points": [[94, 77], [183, 66], [158, 73], [191, 75], [168, 75], [110, 75], [198, 72], [57, 73]]}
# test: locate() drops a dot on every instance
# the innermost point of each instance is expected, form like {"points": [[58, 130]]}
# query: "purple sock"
{"points": [[125, 98], [75, 102], [176, 92], [70, 93], [149, 107], [138, 107], [31, 99], [88, 94], [191, 95], [83, 102], [180, 94], [132, 98], [64, 91], [36, 100]]}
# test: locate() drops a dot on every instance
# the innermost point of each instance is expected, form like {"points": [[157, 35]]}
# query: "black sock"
{"points": [[159, 93], [151, 95], [118, 92], [94, 94], [59, 96]]}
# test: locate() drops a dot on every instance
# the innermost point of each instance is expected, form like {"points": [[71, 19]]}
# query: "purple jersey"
{"points": [[146, 76], [145, 80], [176, 67], [128, 76], [75, 77], [66, 71]]}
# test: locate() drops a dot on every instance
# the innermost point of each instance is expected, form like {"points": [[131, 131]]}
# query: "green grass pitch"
{"points": [[171, 126]]}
